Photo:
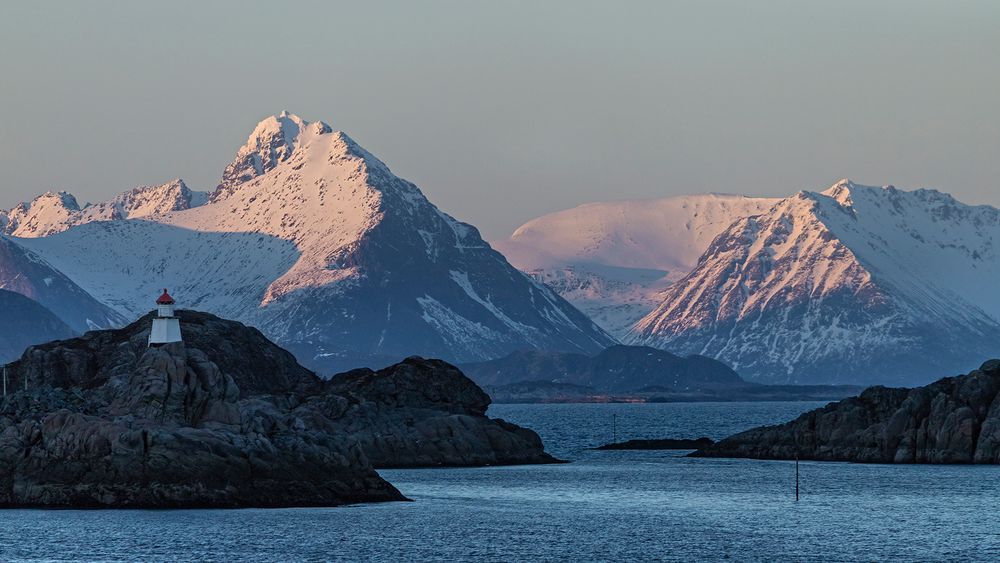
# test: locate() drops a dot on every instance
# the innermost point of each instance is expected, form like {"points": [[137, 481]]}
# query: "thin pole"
{"points": [[796, 478]]}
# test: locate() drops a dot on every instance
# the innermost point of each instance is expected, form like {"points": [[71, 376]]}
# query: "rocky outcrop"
{"points": [[228, 419], [954, 420], [426, 413]]}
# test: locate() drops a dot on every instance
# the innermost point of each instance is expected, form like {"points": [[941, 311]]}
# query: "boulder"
{"points": [[427, 413]]}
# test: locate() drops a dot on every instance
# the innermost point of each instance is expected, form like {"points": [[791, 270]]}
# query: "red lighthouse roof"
{"points": [[165, 299]]}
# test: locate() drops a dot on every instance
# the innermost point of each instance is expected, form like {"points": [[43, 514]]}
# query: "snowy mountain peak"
{"points": [[841, 192], [315, 241], [48, 213], [841, 184], [60, 198], [839, 285], [274, 140], [145, 201]]}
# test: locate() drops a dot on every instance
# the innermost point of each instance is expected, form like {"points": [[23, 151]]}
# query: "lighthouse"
{"points": [[166, 327]]}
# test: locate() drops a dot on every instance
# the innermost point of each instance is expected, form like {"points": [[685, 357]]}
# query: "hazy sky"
{"points": [[502, 111]]}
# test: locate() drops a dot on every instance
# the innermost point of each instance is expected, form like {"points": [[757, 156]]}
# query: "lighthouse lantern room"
{"points": [[166, 327]]}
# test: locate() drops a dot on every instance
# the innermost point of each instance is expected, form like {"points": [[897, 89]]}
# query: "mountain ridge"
{"points": [[54, 212], [848, 285], [312, 238]]}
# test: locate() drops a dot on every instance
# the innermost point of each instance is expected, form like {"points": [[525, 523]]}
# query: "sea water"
{"points": [[605, 505]]}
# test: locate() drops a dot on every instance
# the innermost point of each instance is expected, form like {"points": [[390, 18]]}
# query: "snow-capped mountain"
{"points": [[48, 213], [24, 272], [26, 322], [853, 284], [314, 240], [612, 259], [55, 212]]}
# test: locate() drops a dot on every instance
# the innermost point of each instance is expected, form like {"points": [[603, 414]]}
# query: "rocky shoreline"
{"points": [[953, 420], [228, 419]]}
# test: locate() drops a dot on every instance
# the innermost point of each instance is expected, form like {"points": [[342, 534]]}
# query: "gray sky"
{"points": [[502, 111]]}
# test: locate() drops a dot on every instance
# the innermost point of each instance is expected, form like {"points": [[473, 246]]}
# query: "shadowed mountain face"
{"points": [[24, 322], [313, 239], [228, 419], [953, 420], [24, 272]]}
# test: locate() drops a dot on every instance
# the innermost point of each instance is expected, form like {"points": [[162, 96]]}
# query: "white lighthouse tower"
{"points": [[166, 327]]}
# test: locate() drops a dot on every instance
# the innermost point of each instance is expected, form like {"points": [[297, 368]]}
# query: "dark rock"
{"points": [[954, 420], [228, 419], [661, 444], [254, 362], [426, 412]]}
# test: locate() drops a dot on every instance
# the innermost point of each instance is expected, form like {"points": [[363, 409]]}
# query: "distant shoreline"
{"points": [[549, 393]]}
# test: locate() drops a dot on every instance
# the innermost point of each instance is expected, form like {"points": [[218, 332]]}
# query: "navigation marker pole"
{"points": [[796, 478]]}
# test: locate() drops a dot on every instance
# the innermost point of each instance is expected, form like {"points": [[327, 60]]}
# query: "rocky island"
{"points": [[228, 419], [953, 420]]}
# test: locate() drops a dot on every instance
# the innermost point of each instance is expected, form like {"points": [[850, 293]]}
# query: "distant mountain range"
{"points": [[611, 260], [312, 239], [628, 373], [855, 284], [615, 369], [309, 237], [55, 212]]}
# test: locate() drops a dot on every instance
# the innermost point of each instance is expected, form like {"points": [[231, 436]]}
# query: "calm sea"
{"points": [[615, 505]]}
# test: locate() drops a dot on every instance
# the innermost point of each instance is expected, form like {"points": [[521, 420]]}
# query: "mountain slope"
{"points": [[24, 322], [611, 259], [315, 241], [854, 284], [24, 272]]}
